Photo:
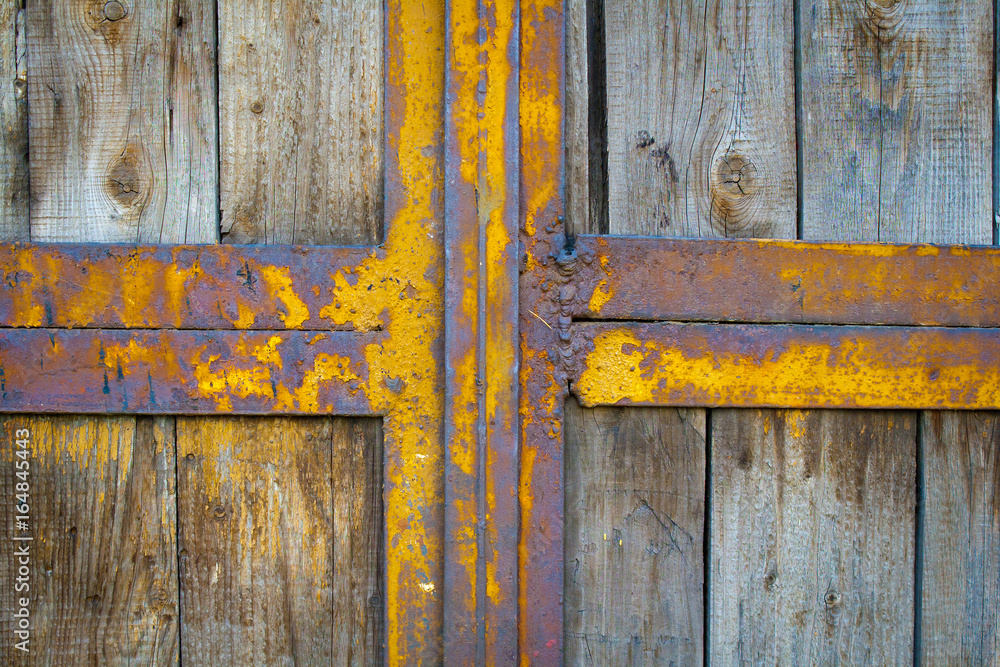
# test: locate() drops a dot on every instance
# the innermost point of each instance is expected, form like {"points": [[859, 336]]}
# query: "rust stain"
{"points": [[788, 281]]}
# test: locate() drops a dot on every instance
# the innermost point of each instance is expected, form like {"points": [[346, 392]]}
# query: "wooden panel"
{"points": [[300, 120], [123, 117], [103, 582], [897, 121], [812, 537], [280, 538], [635, 485], [960, 623], [13, 122], [700, 117]]}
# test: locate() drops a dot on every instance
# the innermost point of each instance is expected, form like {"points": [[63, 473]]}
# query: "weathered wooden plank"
{"points": [[358, 542], [960, 620], [897, 121], [578, 98], [635, 487], [812, 537], [896, 138], [13, 122], [700, 117], [280, 540], [103, 580], [123, 121], [300, 113]]}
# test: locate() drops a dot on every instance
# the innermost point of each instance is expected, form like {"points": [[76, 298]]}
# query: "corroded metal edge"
{"points": [[197, 287], [787, 366], [544, 319], [637, 278], [481, 360]]}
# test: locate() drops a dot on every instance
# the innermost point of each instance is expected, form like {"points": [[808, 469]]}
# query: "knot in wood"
{"points": [[126, 181], [114, 11], [735, 188]]}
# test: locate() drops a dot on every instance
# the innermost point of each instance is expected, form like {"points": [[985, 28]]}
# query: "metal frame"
{"points": [[470, 326]]}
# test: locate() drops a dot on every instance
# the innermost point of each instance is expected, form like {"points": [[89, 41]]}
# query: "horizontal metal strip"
{"points": [[635, 278], [194, 287], [187, 372], [795, 366]]}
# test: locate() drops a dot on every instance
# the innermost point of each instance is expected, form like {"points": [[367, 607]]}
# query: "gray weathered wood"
{"points": [[960, 622], [701, 121], [13, 122], [301, 121], [577, 119], [635, 486], [122, 116], [812, 537], [103, 559], [897, 121], [280, 540]]}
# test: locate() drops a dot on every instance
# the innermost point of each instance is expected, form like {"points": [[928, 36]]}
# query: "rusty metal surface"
{"points": [[793, 366], [195, 287], [544, 344], [634, 278], [413, 347], [186, 372], [481, 364]]}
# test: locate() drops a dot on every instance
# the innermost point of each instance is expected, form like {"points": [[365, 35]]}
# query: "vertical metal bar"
{"points": [[411, 358], [546, 297], [481, 204]]}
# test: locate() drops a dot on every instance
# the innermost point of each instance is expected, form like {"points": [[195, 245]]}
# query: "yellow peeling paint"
{"points": [[246, 316], [279, 286], [858, 372], [602, 294], [27, 301], [326, 368]]}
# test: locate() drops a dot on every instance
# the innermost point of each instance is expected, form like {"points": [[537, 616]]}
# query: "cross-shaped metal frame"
{"points": [[468, 328]]}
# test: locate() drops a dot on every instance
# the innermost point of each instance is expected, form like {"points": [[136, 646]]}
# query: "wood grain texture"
{"points": [[122, 117], [961, 572], [700, 117], [635, 509], [897, 120], [577, 118], [897, 134], [103, 562], [301, 121], [13, 122], [280, 540], [812, 537]]}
